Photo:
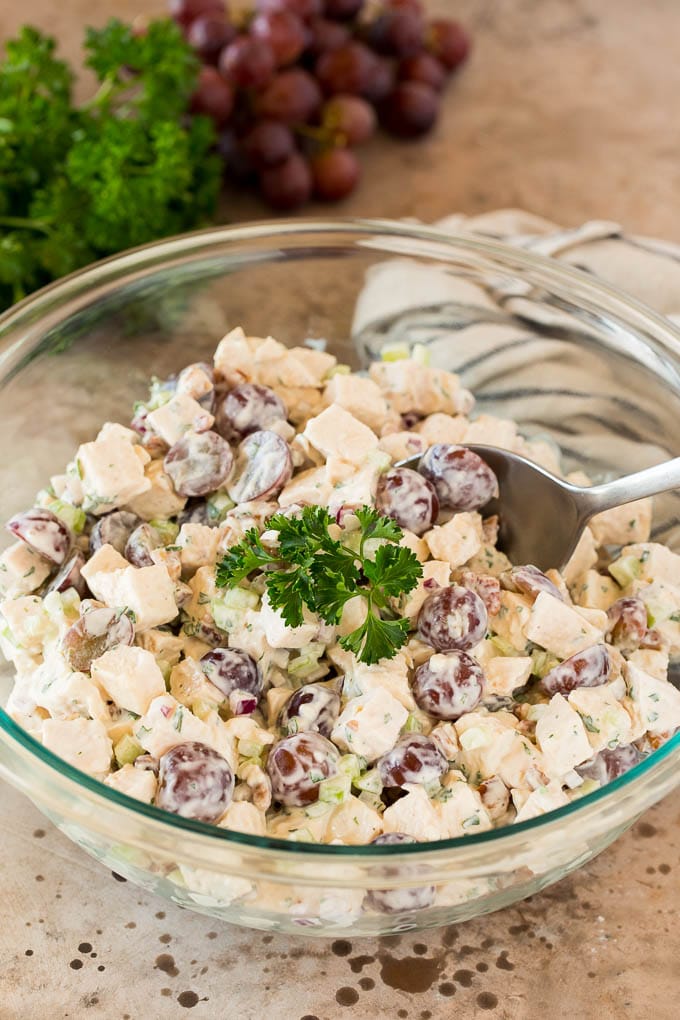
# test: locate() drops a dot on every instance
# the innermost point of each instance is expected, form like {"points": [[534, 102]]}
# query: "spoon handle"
{"points": [[650, 482]]}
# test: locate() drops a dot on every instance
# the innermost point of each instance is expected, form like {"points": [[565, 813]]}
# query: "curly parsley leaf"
{"points": [[311, 568]]}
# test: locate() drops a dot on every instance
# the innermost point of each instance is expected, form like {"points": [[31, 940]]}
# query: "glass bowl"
{"points": [[567, 357]]}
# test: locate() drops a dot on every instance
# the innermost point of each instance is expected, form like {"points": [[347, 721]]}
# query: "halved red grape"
{"points": [[114, 529], [288, 185], [588, 668], [69, 576], [247, 63], [186, 11], [348, 69], [284, 33], [194, 781], [263, 466], [296, 766], [248, 408], [314, 707], [213, 97], [397, 32], [415, 758], [147, 763], [94, 633], [268, 144], [425, 68], [462, 480], [293, 97], [448, 686], [452, 618], [198, 463], [350, 118], [448, 41], [610, 763], [43, 532], [627, 623], [140, 543], [335, 174], [232, 669], [393, 901], [529, 580], [408, 498], [487, 587], [208, 35]]}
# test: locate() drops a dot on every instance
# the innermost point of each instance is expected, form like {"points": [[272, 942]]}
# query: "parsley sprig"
{"points": [[310, 568]]}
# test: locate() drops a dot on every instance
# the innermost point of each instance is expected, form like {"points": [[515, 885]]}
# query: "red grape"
{"points": [[43, 532], [529, 580], [313, 707], [94, 633], [296, 766], [69, 576], [397, 32], [627, 622], [325, 35], [247, 63], [588, 668], [263, 465], [452, 618], [348, 69], [209, 35], [251, 407], [283, 32], [342, 10], [448, 41], [381, 81], [408, 498], [293, 96], [194, 782], [214, 97], [448, 686], [304, 9], [237, 166], [425, 68], [198, 463], [186, 11], [351, 119], [268, 144], [288, 185], [410, 110], [335, 173], [114, 529], [462, 479]]}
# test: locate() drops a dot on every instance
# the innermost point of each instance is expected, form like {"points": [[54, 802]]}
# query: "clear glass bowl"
{"points": [[565, 356]]}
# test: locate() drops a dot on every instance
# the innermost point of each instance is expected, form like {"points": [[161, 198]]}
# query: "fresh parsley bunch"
{"points": [[128, 167], [310, 568]]}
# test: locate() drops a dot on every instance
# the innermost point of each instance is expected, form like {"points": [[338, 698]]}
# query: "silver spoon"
{"points": [[542, 517]]}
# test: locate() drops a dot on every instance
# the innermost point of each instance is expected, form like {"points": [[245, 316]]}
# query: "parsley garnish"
{"points": [[310, 568]]}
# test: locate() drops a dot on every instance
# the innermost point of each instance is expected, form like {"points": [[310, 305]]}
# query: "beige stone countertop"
{"points": [[569, 109]]}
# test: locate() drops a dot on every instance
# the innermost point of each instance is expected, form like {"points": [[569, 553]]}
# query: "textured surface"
{"points": [[567, 110]]}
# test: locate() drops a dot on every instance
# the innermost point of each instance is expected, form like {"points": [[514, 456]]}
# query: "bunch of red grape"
{"points": [[295, 85]]}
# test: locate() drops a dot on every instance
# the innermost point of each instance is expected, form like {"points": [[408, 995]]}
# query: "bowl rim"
{"points": [[28, 313]]}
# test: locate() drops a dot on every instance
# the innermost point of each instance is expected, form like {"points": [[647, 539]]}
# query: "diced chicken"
{"points": [[623, 524], [150, 593], [160, 501], [189, 684], [562, 738], [167, 723], [410, 386], [492, 431], [512, 619], [593, 590], [457, 540], [28, 622], [538, 802], [83, 743], [604, 717], [559, 628], [22, 570], [198, 547], [389, 675], [417, 545], [504, 674], [442, 428], [112, 473], [415, 815], [337, 433], [242, 816], [651, 661], [138, 783], [656, 702], [656, 562], [354, 823], [234, 358], [360, 396], [307, 488], [279, 635], [400, 445], [369, 725], [583, 558], [492, 746], [181, 414], [460, 808], [129, 676], [103, 572]]}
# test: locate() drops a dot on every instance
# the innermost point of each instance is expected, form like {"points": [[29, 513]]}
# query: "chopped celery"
{"points": [[127, 750], [338, 370], [72, 516], [542, 662], [394, 352], [160, 392], [307, 661], [168, 530], [218, 505], [335, 790], [503, 646], [351, 765], [370, 782], [229, 606], [373, 800], [203, 709], [586, 787], [625, 570], [413, 724], [420, 354], [250, 749]]}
